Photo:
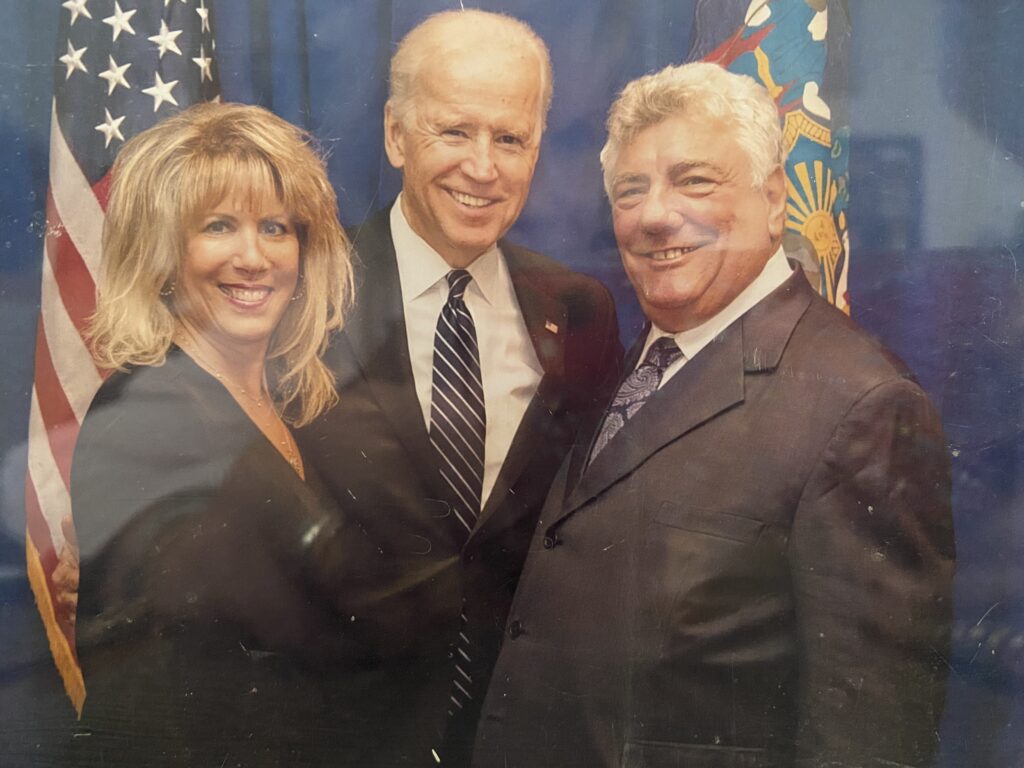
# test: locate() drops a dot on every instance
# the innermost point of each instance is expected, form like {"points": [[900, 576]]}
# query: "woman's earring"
{"points": [[170, 290]]}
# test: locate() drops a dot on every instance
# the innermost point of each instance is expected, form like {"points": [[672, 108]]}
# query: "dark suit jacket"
{"points": [[207, 630], [756, 570], [408, 576]]}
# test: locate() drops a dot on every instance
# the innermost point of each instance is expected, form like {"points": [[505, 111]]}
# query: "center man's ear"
{"points": [[393, 133], [775, 196]]}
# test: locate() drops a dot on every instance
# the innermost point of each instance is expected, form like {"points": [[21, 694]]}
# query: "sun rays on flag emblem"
{"points": [[812, 193]]}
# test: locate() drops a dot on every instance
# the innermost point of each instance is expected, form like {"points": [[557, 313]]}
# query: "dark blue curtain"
{"points": [[953, 308]]}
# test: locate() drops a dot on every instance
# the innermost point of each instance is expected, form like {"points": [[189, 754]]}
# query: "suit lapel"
{"points": [[376, 333], [546, 320], [706, 387]]}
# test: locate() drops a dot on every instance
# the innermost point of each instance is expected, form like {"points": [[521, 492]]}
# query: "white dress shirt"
{"points": [[509, 367], [776, 271]]}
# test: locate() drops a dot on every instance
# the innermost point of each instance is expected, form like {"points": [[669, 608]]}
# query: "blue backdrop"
{"points": [[936, 226]]}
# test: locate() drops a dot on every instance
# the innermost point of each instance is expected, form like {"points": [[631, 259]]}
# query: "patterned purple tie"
{"points": [[636, 389]]}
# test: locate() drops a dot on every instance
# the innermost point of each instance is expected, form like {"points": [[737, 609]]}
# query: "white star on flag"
{"points": [[77, 8], [161, 92], [165, 40], [120, 21], [110, 128], [204, 14], [203, 62], [114, 75], [73, 59]]}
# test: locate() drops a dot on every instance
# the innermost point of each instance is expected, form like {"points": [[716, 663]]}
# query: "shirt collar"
{"points": [[775, 272], [420, 267]]}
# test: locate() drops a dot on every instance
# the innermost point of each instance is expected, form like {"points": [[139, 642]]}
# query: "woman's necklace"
{"points": [[229, 383], [189, 347], [292, 452], [290, 449]]}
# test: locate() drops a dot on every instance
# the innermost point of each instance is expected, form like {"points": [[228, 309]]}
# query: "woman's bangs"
{"points": [[247, 180]]}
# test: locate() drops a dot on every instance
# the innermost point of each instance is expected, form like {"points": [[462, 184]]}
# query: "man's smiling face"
{"points": [[469, 147], [693, 230]]}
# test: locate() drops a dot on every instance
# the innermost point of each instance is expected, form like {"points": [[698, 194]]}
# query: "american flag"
{"points": [[121, 66]]}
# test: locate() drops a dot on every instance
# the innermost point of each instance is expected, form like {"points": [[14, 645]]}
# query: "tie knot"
{"points": [[458, 281], [663, 353]]}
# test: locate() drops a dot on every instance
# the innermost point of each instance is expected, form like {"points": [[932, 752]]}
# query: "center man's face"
{"points": [[469, 150], [692, 229]]}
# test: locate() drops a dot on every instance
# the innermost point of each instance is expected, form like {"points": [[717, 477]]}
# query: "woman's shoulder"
{"points": [[147, 440], [142, 422], [133, 383], [167, 398]]}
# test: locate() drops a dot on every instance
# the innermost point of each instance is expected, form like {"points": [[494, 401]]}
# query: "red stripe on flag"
{"points": [[74, 281], [58, 415], [102, 191]]}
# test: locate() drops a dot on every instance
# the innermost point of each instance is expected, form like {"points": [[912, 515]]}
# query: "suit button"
{"points": [[550, 542], [516, 629]]}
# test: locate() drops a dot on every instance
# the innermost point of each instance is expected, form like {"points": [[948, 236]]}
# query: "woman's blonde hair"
{"points": [[163, 180]]}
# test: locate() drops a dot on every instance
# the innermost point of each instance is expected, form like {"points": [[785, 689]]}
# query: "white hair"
{"points": [[705, 90], [476, 26]]}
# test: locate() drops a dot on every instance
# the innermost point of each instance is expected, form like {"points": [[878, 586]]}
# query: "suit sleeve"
{"points": [[872, 559]]}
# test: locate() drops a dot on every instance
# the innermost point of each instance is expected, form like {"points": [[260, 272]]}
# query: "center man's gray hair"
{"points": [[704, 90], [416, 46]]}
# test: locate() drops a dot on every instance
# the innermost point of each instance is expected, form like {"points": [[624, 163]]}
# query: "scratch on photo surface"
{"points": [[985, 615], [430, 545]]}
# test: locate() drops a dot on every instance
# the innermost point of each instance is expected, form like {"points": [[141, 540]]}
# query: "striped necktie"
{"points": [[457, 417]]}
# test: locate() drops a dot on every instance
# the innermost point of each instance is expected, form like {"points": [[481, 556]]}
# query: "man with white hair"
{"points": [[747, 560], [463, 372]]}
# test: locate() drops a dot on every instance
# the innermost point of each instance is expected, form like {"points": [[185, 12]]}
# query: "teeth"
{"points": [[248, 295], [470, 200], [671, 253]]}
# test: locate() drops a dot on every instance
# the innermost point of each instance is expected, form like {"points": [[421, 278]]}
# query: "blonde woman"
{"points": [[207, 545]]}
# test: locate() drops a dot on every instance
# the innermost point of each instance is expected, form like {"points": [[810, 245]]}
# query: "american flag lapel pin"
{"points": [[549, 326]]}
